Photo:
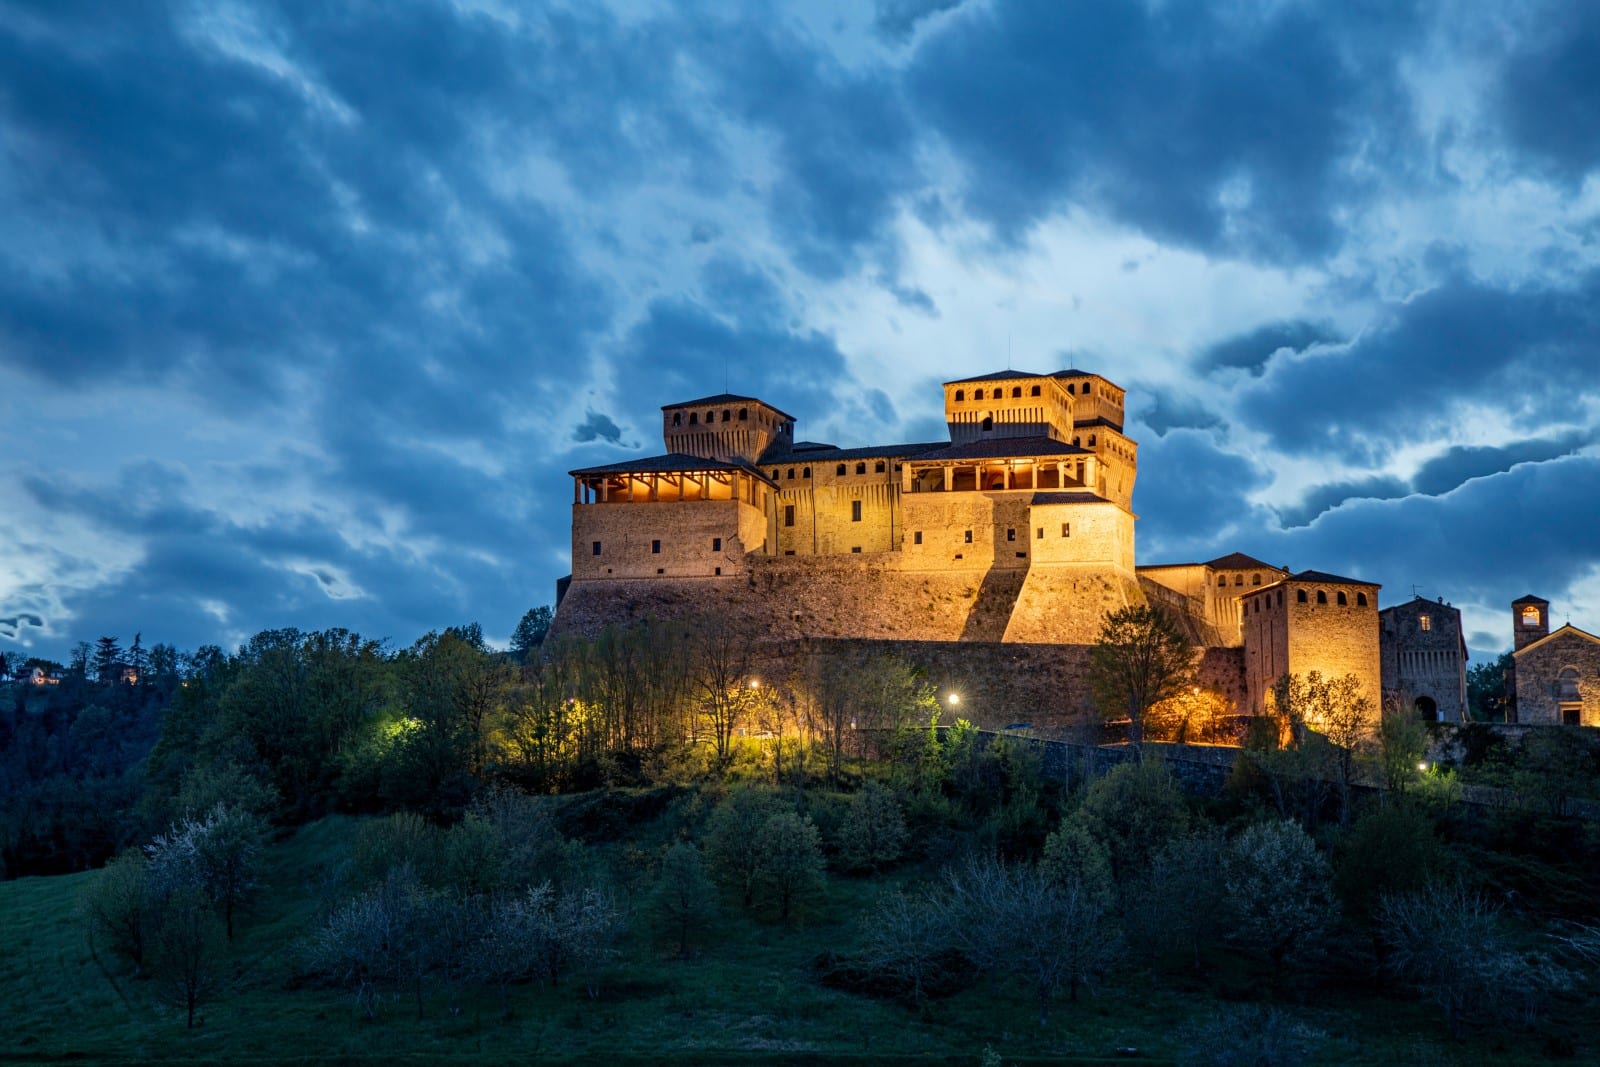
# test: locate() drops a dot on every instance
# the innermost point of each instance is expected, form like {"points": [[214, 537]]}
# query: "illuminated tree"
{"points": [[1189, 715], [1141, 658], [1338, 712]]}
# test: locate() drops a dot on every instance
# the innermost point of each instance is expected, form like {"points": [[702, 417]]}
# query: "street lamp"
{"points": [[953, 699]]}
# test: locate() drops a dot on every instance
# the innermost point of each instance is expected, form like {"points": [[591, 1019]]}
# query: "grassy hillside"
{"points": [[750, 995]]}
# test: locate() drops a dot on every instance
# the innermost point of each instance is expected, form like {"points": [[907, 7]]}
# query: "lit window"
{"points": [[1425, 621], [1066, 529], [1530, 616], [969, 537], [855, 511]]}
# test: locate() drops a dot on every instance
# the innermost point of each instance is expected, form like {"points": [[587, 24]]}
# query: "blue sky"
{"points": [[306, 309]]}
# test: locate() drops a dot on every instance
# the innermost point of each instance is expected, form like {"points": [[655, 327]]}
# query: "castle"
{"points": [[1008, 542]]}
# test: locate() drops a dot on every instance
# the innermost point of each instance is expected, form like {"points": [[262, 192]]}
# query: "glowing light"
{"points": [[953, 699], [755, 683], [1423, 766]]}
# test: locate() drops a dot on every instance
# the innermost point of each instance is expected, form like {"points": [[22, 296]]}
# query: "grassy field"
{"points": [[750, 996]]}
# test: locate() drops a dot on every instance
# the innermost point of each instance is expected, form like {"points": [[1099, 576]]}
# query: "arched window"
{"points": [[1016, 391], [744, 414], [806, 473], [1072, 389], [1255, 579], [1085, 388], [1034, 391], [711, 416], [774, 474], [1238, 579], [677, 418], [878, 467], [1280, 597], [988, 422], [727, 416], [977, 394], [861, 468], [961, 394], [791, 474], [840, 470], [1091, 440], [694, 419], [1530, 615], [1567, 684], [1300, 595], [1322, 596], [1361, 600], [1222, 579], [1344, 601]]}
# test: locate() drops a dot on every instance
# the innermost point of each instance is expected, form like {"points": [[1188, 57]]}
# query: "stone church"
{"points": [[1555, 677]]}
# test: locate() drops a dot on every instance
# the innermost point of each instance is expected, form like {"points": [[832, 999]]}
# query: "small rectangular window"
{"points": [[1011, 535], [855, 511], [1040, 535], [788, 514], [655, 547], [719, 572], [788, 552], [597, 548], [969, 537], [1425, 621], [716, 544], [916, 537], [661, 570], [1066, 529], [857, 548]]}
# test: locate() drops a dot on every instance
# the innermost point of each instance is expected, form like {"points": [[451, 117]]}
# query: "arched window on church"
{"points": [[1567, 684], [1530, 615]]}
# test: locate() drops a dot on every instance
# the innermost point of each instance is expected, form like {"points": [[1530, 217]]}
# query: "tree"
{"points": [[119, 906], [730, 835], [107, 657], [1402, 742], [138, 659], [1172, 906], [722, 655], [874, 830], [1279, 892], [904, 939], [789, 864], [1338, 710], [530, 632], [1486, 689], [214, 854], [1133, 811], [684, 900], [1141, 658], [82, 657], [186, 949]]}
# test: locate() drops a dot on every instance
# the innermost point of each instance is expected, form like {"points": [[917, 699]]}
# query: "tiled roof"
{"points": [[1068, 497], [1005, 448], [1238, 561], [1089, 424], [1324, 578], [998, 376], [723, 398], [828, 453], [672, 462]]}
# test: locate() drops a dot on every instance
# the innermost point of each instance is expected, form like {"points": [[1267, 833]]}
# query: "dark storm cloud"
{"points": [[1169, 410], [1461, 464], [1530, 352], [844, 143], [1328, 496], [1251, 351], [897, 20], [11, 625], [1159, 113], [597, 427], [1548, 91], [1490, 541], [1188, 493]]}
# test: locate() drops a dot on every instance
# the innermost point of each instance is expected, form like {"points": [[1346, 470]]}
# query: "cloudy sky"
{"points": [[307, 308]]}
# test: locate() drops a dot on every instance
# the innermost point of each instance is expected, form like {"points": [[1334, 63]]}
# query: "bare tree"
{"points": [[903, 938], [185, 951], [722, 657], [1141, 658]]}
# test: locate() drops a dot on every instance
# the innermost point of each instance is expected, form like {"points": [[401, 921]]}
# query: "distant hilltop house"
{"points": [[1016, 531], [1555, 677]]}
